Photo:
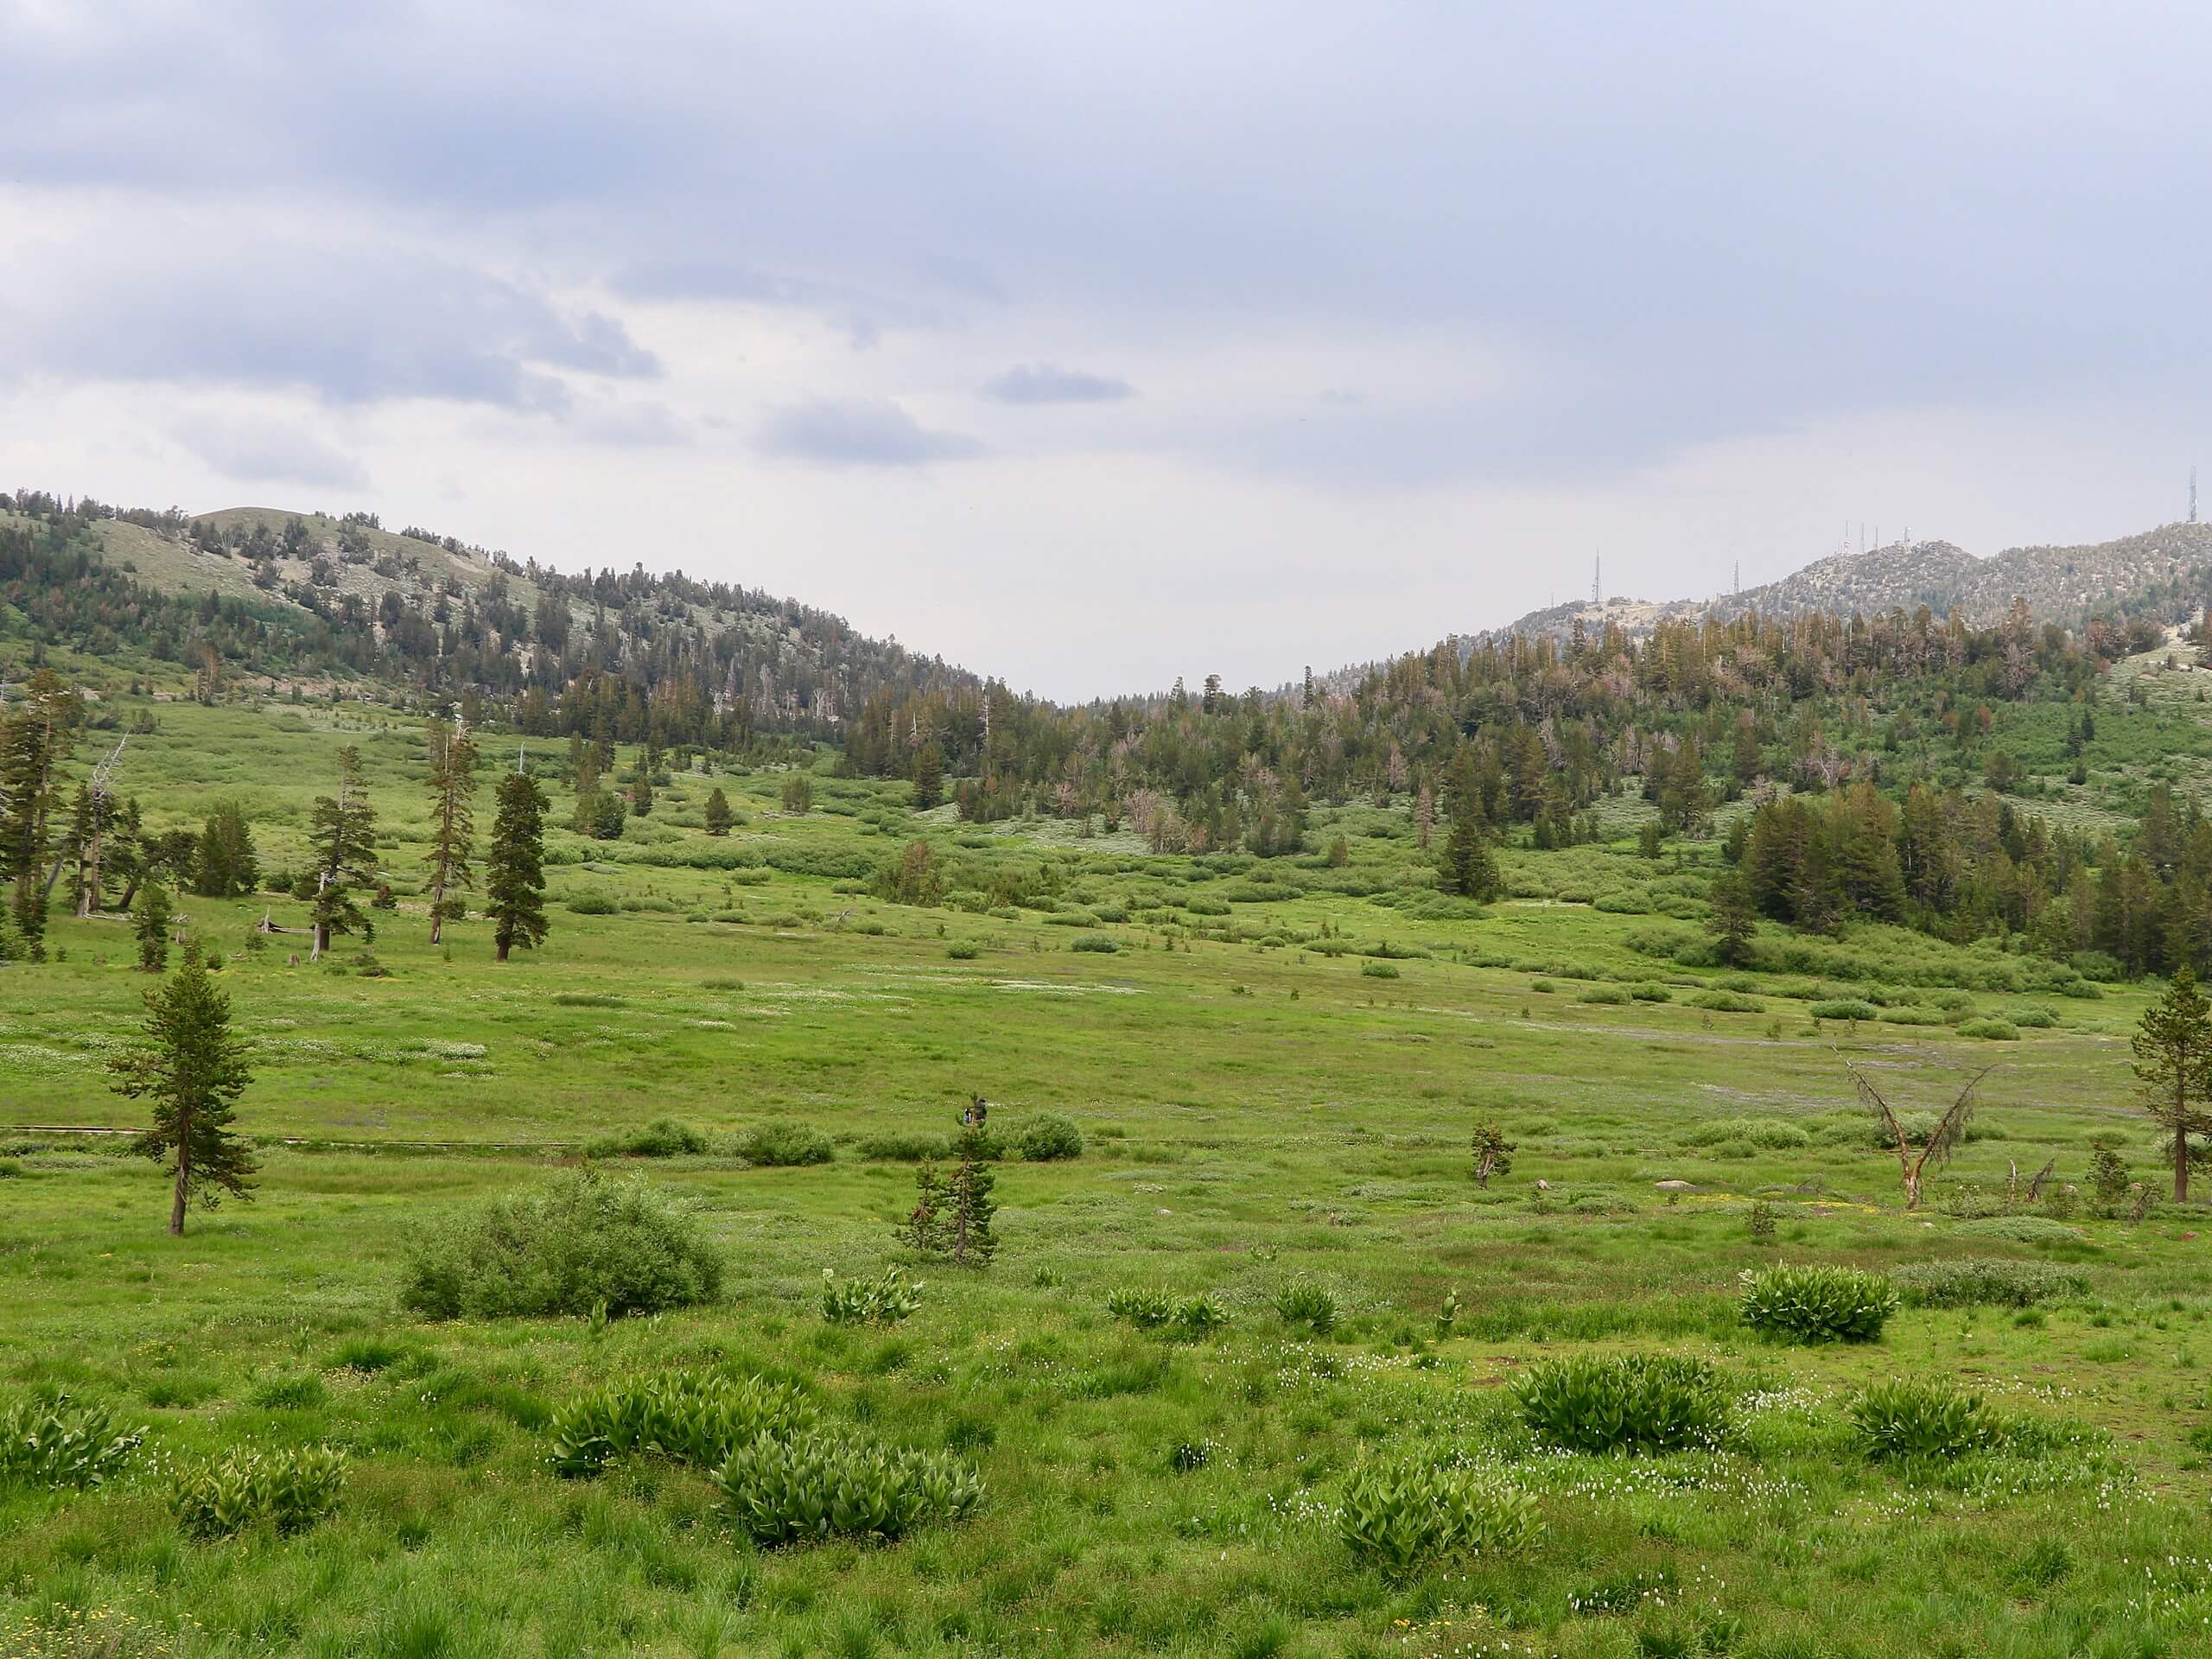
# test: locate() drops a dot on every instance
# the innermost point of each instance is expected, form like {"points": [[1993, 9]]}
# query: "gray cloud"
{"points": [[1041, 382], [353, 323], [257, 450], [860, 432]]}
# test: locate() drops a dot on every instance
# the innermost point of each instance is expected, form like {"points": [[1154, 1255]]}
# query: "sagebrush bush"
{"points": [[838, 1485], [1401, 1515], [579, 1242], [1816, 1304], [46, 1441], [885, 1299], [1303, 1302], [1631, 1403], [783, 1142], [1987, 1281], [1903, 1420], [1049, 1137], [292, 1490], [686, 1416]]}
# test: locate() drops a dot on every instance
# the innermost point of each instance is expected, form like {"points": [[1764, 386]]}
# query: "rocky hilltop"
{"points": [[2164, 567]]}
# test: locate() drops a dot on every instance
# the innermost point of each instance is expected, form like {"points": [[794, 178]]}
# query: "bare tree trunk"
{"points": [[2181, 1135], [183, 1182]]}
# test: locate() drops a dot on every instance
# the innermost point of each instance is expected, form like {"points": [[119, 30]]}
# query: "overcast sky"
{"points": [[1089, 345]]}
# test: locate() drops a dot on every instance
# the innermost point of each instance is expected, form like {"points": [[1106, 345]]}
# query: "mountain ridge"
{"points": [[2064, 584]]}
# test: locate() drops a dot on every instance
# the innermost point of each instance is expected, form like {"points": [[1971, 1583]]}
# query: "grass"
{"points": [[1257, 1114]]}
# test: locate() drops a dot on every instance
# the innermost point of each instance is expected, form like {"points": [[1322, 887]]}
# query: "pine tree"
{"points": [[924, 1229], [514, 879], [193, 1068], [929, 777], [226, 865], [1734, 922], [34, 741], [719, 816], [2173, 1060], [453, 822], [1466, 866], [342, 832], [967, 1235], [151, 922], [641, 798]]}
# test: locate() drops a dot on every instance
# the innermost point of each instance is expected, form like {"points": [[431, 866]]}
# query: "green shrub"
{"points": [[1843, 1008], [1304, 1302], [1727, 1002], [1651, 994], [681, 1415], [1994, 1031], [1610, 995], [1817, 1304], [580, 1241], [823, 1485], [1900, 1419], [963, 951], [1145, 1309], [2035, 1018], [592, 903], [2021, 1230], [1198, 1316], [292, 1489], [1048, 1138], [1631, 1403], [1095, 942], [1379, 969], [783, 1142], [1987, 1281], [46, 1441], [883, 1300], [663, 1138], [1401, 1516], [902, 1147]]}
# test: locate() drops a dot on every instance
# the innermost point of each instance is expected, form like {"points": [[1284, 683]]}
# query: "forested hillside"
{"points": [[1994, 781], [289, 598]]}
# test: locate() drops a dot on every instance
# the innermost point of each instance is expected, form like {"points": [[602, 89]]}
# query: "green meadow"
{"points": [[1276, 1067]]}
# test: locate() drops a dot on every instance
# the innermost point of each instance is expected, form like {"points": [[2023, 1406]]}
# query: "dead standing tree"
{"points": [[1948, 1134]]}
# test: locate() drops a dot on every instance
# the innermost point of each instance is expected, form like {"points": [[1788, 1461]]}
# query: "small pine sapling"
{"points": [[1493, 1154]]}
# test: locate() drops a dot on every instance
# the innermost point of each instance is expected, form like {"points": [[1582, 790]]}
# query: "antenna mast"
{"points": [[1597, 585], [2192, 493]]}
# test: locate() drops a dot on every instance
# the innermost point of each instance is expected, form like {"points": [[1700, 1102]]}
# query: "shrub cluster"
{"points": [[1401, 1515], [837, 1484], [1188, 1317], [883, 1300], [1632, 1402], [1817, 1304], [681, 1415], [292, 1489], [1303, 1302], [1906, 1421], [1049, 1137], [663, 1138], [1987, 1281], [580, 1243], [782, 1142], [46, 1441]]}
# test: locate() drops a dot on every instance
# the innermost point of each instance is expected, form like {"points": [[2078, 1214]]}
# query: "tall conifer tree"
{"points": [[192, 1067]]}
